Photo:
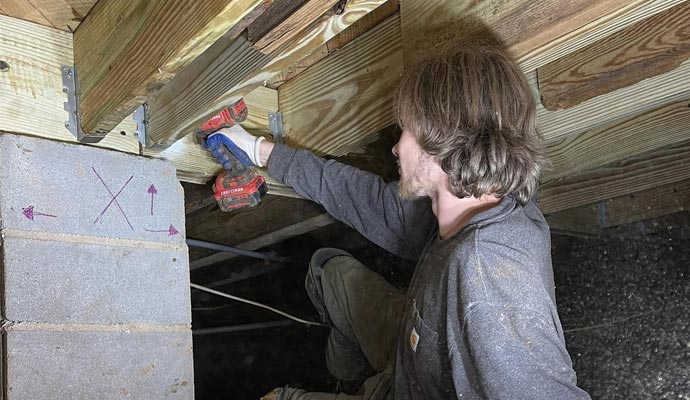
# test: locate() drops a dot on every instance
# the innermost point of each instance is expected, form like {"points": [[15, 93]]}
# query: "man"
{"points": [[479, 319]]}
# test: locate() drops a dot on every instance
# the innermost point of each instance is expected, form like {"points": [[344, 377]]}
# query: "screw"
{"points": [[67, 125], [4, 67], [65, 90]]}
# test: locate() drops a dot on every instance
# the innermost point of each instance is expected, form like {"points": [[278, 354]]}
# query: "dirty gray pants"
{"points": [[364, 313]]}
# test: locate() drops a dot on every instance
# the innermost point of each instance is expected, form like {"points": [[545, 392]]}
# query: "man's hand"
{"points": [[244, 146]]}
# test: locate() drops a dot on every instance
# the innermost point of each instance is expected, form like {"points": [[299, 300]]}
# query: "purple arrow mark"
{"points": [[152, 190], [171, 231], [30, 213]]}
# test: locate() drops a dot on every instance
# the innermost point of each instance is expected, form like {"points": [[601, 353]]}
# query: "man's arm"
{"points": [[358, 198]]}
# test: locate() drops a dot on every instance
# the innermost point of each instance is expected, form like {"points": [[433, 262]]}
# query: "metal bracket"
{"points": [[73, 124], [275, 126], [141, 117]]}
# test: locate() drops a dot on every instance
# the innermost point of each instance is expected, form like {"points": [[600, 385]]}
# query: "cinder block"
{"points": [[67, 188], [57, 282], [99, 365]]}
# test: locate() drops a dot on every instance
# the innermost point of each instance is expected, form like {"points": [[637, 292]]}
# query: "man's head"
{"points": [[473, 114]]}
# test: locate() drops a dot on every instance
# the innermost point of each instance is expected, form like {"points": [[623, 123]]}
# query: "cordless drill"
{"points": [[239, 185]]}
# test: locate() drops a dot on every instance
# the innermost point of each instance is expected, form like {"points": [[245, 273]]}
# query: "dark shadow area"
{"points": [[623, 300]]}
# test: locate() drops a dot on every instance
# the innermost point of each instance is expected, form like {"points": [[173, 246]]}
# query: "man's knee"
{"points": [[315, 277]]}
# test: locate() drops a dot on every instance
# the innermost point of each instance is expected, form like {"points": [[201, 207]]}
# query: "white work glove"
{"points": [[244, 140]]}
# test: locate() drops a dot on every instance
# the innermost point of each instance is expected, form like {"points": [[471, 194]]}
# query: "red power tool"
{"points": [[239, 185]]}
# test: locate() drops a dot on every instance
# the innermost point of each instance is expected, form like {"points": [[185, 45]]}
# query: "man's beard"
{"points": [[412, 187]]}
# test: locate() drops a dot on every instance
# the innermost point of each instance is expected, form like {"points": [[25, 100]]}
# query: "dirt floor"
{"points": [[623, 299]]}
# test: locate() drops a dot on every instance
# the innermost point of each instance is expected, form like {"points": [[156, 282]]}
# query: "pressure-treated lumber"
{"points": [[31, 97], [622, 103], [522, 25], [632, 175], [278, 11], [335, 106], [291, 26], [60, 14], [125, 50], [280, 235], [579, 221], [647, 204], [237, 72], [352, 32], [658, 128], [650, 47]]}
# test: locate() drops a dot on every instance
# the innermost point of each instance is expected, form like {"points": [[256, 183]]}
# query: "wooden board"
{"points": [[651, 130], [582, 220], [125, 50], [647, 204], [652, 46], [629, 176], [278, 11], [31, 97], [234, 228], [336, 106], [189, 103], [290, 27], [523, 25], [364, 24], [60, 14], [622, 103], [267, 239]]}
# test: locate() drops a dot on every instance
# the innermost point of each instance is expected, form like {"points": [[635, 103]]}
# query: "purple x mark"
{"points": [[113, 200]]}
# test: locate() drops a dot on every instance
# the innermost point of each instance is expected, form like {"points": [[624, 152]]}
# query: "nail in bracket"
{"points": [[73, 124]]}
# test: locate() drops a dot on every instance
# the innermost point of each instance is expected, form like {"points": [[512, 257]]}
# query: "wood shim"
{"points": [[655, 45], [337, 105], [31, 97], [654, 169], [125, 50]]}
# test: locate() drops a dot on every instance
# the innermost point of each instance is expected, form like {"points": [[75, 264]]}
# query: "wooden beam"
{"points": [[523, 25], [335, 106], [268, 239], [649, 131], [579, 221], [291, 26], [31, 97], [125, 50], [647, 204], [364, 24], [655, 45], [277, 12], [632, 100], [628, 176], [59, 14], [182, 105]]}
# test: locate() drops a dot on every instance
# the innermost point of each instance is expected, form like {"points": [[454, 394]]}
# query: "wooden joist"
{"points": [[181, 106], [59, 14], [125, 50], [647, 204], [290, 27], [577, 221], [31, 97], [336, 106], [352, 32], [649, 131], [652, 46], [653, 169], [523, 25], [277, 219]]}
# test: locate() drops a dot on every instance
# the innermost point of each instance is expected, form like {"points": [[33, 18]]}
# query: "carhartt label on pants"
{"points": [[414, 339]]}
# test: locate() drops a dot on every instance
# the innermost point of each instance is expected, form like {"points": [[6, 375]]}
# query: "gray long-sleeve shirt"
{"points": [[481, 319]]}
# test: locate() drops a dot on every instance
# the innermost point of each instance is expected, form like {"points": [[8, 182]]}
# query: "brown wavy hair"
{"points": [[472, 108]]}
